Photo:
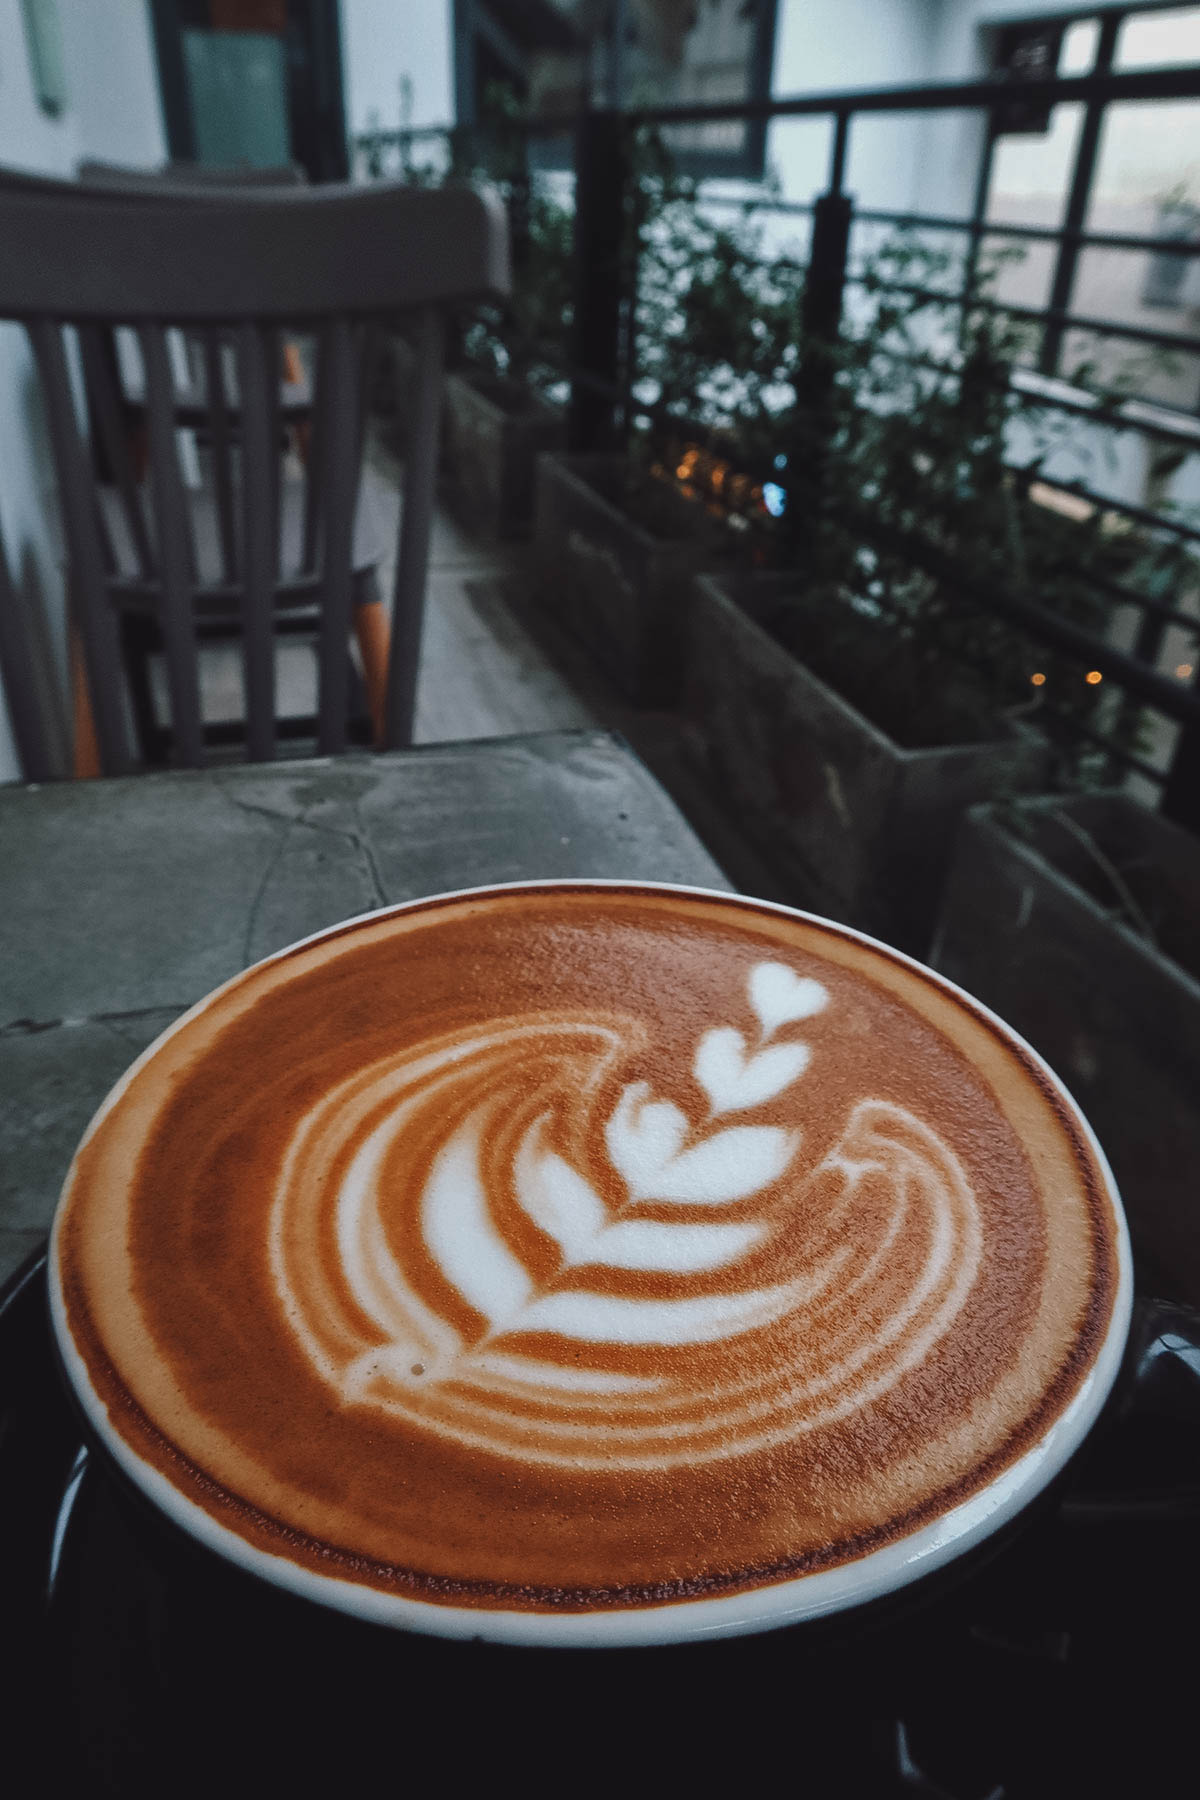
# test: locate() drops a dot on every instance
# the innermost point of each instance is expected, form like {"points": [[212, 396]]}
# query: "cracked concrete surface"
{"points": [[123, 902]]}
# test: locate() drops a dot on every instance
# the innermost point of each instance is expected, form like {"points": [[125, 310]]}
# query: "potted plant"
{"points": [[1077, 919], [843, 767], [504, 390], [619, 536], [504, 400], [617, 542], [853, 702]]}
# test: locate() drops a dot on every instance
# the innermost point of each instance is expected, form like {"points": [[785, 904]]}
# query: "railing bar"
{"points": [[174, 549], [1127, 596], [1087, 240], [864, 215], [1129, 509], [1128, 757], [969, 96], [1142, 84], [1116, 418], [1058, 633], [1187, 432], [1087, 150], [1185, 346]]}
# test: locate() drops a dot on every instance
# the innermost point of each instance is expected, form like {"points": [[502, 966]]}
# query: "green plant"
{"points": [[525, 338], [909, 469], [717, 333], [945, 456]]}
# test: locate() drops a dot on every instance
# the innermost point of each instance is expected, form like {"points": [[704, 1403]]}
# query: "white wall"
{"points": [[112, 81], [952, 143], [823, 45], [112, 110], [895, 163]]}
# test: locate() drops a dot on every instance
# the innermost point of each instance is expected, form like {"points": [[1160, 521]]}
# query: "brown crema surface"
{"points": [[568, 1248]]}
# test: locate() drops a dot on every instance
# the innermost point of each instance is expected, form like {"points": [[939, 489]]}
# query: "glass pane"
{"points": [[1080, 42], [1031, 177], [237, 83], [1170, 378], [1160, 39], [1147, 184], [1030, 180], [798, 156]]}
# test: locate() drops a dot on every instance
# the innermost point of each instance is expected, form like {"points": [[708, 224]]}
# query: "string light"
{"points": [[1038, 680], [1183, 671], [1093, 677]]}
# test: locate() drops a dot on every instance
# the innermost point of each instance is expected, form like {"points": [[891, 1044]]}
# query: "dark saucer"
{"points": [[147, 1666]]}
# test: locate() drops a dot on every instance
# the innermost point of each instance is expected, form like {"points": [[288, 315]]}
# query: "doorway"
{"points": [[253, 83]]}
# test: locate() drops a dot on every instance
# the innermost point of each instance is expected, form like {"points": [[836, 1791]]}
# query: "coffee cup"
{"points": [[590, 1264]]}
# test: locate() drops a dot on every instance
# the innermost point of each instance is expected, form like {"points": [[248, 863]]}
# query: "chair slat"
{"points": [[219, 433], [271, 351], [175, 550], [257, 380], [416, 527], [98, 354], [314, 463], [335, 263], [338, 349], [86, 560], [368, 367], [19, 680]]}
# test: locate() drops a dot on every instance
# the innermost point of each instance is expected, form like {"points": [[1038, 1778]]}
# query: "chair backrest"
{"points": [[201, 177], [333, 262]]}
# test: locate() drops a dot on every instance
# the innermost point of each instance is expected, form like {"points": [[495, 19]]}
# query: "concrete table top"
{"points": [[123, 902]]}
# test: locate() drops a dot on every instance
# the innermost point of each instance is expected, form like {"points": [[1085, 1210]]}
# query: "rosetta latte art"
{"points": [[449, 1247]]}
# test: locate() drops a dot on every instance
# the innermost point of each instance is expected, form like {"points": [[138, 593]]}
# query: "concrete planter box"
{"points": [[860, 827], [619, 587], [1034, 924], [493, 432]]}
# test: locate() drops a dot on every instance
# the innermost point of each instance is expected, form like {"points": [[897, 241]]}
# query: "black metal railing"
{"points": [[598, 364]]}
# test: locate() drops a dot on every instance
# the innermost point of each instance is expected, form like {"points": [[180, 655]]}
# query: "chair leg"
{"points": [[374, 642], [138, 639], [292, 370], [85, 755]]}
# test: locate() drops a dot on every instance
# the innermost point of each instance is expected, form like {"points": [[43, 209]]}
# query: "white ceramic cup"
{"points": [[819, 1595]]}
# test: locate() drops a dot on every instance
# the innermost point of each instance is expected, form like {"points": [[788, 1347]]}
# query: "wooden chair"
{"points": [[331, 263], [203, 181]]}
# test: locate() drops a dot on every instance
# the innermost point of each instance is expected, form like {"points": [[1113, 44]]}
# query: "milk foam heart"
{"points": [[573, 1247], [734, 1079], [780, 996]]}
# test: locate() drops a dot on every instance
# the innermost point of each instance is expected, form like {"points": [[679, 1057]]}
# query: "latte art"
{"points": [[575, 1249], [475, 1151]]}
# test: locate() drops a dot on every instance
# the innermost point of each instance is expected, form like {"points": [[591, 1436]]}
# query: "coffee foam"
{"points": [[581, 1245]]}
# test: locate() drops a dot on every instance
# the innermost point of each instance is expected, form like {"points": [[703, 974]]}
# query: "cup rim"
{"points": [[821, 1594]]}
